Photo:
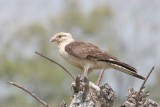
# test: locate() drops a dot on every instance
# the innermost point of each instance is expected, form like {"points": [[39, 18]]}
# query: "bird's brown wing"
{"points": [[91, 52], [87, 51]]}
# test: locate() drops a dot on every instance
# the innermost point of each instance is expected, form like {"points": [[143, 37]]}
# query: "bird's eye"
{"points": [[59, 36]]}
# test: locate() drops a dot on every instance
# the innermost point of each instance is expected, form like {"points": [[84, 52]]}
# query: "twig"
{"points": [[144, 82], [56, 64], [30, 93], [63, 104], [100, 77]]}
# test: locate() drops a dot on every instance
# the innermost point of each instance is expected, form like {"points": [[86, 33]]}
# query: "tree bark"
{"points": [[141, 101], [87, 94]]}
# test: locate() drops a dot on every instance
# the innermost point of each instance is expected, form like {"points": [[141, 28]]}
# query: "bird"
{"points": [[88, 57]]}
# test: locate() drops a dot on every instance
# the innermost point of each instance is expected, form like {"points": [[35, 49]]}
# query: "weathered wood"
{"points": [[87, 94], [141, 101]]}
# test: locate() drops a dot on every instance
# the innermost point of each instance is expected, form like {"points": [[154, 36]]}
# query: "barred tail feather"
{"points": [[126, 70], [123, 67]]}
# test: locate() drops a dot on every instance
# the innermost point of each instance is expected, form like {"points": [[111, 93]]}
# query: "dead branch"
{"points": [[139, 99], [142, 87], [100, 77], [56, 64], [142, 101], [87, 94], [63, 104], [30, 93]]}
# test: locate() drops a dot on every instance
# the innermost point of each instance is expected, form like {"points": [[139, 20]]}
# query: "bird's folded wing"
{"points": [[89, 51], [85, 50]]}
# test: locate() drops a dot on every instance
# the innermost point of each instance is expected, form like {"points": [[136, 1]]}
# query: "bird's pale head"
{"points": [[62, 37]]}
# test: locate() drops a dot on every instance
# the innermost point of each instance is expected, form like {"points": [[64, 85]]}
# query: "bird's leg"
{"points": [[86, 71], [100, 77]]}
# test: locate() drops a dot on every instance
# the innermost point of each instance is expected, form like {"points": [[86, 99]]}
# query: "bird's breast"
{"points": [[81, 63]]}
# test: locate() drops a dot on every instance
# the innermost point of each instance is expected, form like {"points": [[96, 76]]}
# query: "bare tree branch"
{"points": [[139, 98], [56, 64], [63, 104], [87, 94], [100, 77], [142, 101], [142, 87], [30, 93]]}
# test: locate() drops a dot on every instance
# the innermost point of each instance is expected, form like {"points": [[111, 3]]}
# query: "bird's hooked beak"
{"points": [[53, 39]]}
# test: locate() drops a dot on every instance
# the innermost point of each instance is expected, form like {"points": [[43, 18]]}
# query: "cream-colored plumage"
{"points": [[88, 57], [80, 63]]}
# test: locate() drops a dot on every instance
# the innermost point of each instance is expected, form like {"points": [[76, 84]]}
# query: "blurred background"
{"points": [[130, 30]]}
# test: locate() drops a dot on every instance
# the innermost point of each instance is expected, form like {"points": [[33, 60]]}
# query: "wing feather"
{"points": [[91, 52], [87, 51]]}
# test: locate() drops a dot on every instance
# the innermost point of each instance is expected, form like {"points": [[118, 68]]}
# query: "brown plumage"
{"points": [[91, 52], [88, 57]]}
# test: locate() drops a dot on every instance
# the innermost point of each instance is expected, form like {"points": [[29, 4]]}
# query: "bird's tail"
{"points": [[123, 67]]}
